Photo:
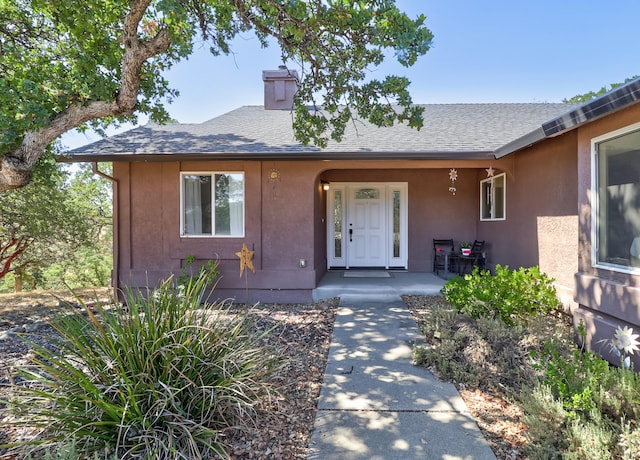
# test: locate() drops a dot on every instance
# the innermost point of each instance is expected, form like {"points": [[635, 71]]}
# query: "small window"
{"points": [[212, 204], [493, 198], [616, 216]]}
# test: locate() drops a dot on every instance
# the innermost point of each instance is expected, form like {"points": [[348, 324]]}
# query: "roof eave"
{"points": [[522, 142], [606, 104], [292, 156], [613, 101]]}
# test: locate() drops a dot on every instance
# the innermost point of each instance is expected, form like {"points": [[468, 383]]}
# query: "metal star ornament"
{"points": [[490, 171], [245, 256]]}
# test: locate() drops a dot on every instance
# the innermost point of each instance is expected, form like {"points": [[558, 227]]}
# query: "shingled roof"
{"points": [[461, 131]]}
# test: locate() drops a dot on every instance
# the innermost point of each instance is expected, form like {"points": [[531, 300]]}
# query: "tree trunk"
{"points": [[18, 279]]}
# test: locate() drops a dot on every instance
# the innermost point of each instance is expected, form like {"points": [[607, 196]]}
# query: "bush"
{"points": [[596, 406], [162, 378], [209, 271], [513, 296], [484, 352]]}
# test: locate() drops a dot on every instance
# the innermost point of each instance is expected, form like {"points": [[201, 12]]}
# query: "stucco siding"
{"points": [[606, 298], [285, 220], [541, 225]]}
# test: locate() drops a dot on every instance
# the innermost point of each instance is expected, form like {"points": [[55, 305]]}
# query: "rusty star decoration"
{"points": [[490, 171], [245, 259]]}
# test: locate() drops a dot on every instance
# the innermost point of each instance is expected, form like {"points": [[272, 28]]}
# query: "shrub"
{"points": [[163, 378], [209, 271], [484, 352], [596, 402], [513, 296]]}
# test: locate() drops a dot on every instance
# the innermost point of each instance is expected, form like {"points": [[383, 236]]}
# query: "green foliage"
{"points": [[209, 272], [583, 98], [63, 223], [593, 402], [573, 378], [164, 377], [54, 55], [485, 352], [576, 405], [513, 296], [68, 451]]}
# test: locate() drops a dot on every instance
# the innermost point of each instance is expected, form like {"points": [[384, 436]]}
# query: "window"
{"points": [[212, 204], [493, 198], [616, 216]]}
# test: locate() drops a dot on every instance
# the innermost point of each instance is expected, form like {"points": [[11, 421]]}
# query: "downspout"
{"points": [[115, 279]]}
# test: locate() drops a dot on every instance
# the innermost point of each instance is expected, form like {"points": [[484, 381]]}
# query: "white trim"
{"points": [[387, 189], [212, 174], [493, 195], [595, 199]]}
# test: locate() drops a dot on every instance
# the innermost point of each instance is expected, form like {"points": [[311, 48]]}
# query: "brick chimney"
{"points": [[279, 88]]}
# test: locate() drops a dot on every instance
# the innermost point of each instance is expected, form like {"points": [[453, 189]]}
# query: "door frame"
{"points": [[396, 256]]}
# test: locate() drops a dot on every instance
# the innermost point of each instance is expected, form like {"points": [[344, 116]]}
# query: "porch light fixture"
{"points": [[325, 185]]}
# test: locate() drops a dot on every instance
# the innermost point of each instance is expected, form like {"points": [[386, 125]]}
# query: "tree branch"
{"points": [[16, 166]]}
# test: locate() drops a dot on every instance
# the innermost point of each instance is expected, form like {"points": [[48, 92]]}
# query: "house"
{"points": [[553, 185]]}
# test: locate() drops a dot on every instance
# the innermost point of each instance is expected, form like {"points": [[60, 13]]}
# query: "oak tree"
{"points": [[51, 218], [67, 64]]}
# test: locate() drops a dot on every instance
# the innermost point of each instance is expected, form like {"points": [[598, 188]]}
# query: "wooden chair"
{"points": [[442, 250]]}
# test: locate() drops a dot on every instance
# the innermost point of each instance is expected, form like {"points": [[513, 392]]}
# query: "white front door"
{"points": [[367, 225]]}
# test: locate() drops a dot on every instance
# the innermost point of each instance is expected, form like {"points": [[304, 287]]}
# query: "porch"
{"points": [[336, 283]]}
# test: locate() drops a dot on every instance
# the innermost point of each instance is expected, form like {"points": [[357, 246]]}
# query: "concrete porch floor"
{"points": [[372, 283]]}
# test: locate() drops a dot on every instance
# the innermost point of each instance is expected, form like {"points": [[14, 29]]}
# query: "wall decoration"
{"points": [[245, 256], [453, 176], [490, 171], [274, 178]]}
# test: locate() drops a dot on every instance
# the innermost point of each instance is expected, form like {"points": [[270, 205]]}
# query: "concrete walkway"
{"points": [[374, 404]]}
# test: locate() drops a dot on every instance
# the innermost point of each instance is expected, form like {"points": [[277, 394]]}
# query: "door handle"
{"points": [[350, 235]]}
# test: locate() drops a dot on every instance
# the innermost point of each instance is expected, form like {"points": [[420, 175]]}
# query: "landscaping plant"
{"points": [[514, 296], [576, 405], [163, 377], [597, 406]]}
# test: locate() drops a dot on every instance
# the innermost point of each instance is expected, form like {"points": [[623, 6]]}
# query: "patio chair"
{"points": [[442, 251], [477, 258]]}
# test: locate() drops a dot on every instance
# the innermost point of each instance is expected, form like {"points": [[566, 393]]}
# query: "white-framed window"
{"points": [[212, 204], [493, 198], [616, 204]]}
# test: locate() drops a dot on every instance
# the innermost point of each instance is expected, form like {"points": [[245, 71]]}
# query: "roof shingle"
{"points": [[252, 132]]}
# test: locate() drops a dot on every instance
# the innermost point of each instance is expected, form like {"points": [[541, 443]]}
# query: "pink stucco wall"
{"points": [[541, 227], [285, 220], [607, 299]]}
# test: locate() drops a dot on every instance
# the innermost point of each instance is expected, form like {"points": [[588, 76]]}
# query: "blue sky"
{"points": [[483, 51]]}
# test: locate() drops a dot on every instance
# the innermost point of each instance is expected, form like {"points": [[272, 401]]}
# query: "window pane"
{"points": [[197, 205], [618, 217], [337, 224], [229, 199], [493, 198], [485, 199], [367, 193], [396, 223], [498, 197]]}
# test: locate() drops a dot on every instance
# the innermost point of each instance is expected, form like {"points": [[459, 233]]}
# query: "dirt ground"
{"points": [[24, 302]]}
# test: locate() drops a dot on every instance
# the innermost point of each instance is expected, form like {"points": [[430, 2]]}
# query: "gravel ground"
{"points": [[302, 332]]}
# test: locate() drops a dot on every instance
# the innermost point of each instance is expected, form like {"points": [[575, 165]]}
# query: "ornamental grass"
{"points": [[164, 376]]}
